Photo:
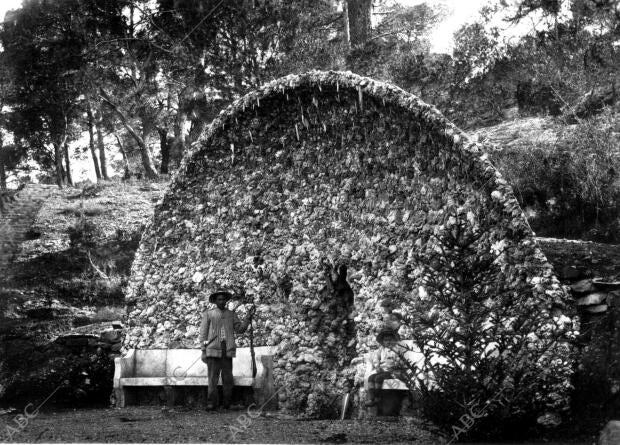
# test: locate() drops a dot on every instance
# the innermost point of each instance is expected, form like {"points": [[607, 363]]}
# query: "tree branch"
{"points": [[106, 98]]}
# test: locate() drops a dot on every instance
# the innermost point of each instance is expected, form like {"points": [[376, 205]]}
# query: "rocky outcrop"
{"points": [[591, 274], [591, 271], [576, 260], [106, 336], [595, 295]]}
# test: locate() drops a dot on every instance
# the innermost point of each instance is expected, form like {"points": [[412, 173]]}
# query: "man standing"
{"points": [[217, 340]]}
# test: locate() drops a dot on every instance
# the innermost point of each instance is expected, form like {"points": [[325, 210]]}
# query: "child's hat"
{"points": [[215, 294], [387, 332]]}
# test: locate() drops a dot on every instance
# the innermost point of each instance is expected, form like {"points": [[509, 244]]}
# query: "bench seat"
{"points": [[394, 384], [187, 381], [183, 367]]}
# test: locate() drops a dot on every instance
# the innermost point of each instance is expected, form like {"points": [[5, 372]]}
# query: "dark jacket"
{"points": [[212, 322]]}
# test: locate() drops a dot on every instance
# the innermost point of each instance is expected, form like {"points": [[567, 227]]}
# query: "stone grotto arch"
{"points": [[324, 167]]}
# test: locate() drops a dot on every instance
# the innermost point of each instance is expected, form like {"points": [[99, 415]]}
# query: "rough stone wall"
{"points": [[314, 169], [591, 272]]}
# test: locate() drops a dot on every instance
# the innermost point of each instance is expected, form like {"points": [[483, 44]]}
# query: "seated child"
{"points": [[385, 364]]}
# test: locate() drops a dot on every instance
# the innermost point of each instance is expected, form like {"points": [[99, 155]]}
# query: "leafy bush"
{"points": [[571, 188], [81, 376]]}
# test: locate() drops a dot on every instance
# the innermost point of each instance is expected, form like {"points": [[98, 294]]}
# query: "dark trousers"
{"points": [[375, 381], [215, 366]]}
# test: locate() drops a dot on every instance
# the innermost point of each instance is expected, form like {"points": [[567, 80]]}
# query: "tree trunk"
{"points": [[164, 143], [2, 174], [178, 143], [2, 166], [358, 12], [347, 32], [101, 146], [67, 164], [91, 141], [58, 163], [127, 172], [147, 160], [196, 129]]}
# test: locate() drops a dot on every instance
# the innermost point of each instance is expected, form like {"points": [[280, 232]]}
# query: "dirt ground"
{"points": [[152, 424], [155, 424]]}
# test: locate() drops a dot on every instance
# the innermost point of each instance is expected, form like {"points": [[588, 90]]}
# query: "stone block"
{"points": [[111, 336], [570, 273], [610, 434], [78, 340], [598, 309], [606, 285], [582, 287], [593, 299]]}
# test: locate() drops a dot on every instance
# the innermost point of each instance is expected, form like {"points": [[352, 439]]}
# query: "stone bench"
{"points": [[170, 368]]}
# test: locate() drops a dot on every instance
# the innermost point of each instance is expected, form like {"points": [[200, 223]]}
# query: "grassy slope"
{"points": [[565, 176], [81, 252], [69, 274]]}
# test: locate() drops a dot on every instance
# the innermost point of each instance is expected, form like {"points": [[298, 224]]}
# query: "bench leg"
{"points": [[202, 397], [170, 396], [124, 396], [267, 392], [119, 397]]}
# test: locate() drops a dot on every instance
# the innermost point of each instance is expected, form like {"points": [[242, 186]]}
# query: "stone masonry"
{"points": [[309, 173]]}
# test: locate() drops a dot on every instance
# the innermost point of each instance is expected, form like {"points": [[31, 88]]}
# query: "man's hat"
{"points": [[215, 294], [387, 302], [387, 332]]}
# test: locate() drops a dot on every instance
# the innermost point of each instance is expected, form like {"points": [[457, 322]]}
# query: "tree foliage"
{"points": [[481, 330], [46, 47]]}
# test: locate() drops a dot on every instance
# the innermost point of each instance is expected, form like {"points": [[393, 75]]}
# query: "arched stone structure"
{"points": [[324, 165]]}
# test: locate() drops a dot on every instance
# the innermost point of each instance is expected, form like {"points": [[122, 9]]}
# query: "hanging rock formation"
{"points": [[312, 171]]}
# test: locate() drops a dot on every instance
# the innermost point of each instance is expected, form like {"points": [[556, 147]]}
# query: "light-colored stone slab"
{"points": [[182, 363], [598, 309], [582, 287], [610, 434], [394, 384], [150, 363], [595, 298], [143, 381]]}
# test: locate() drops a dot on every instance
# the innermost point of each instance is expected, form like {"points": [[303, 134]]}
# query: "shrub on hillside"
{"points": [[570, 188], [83, 210], [84, 233], [75, 376]]}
